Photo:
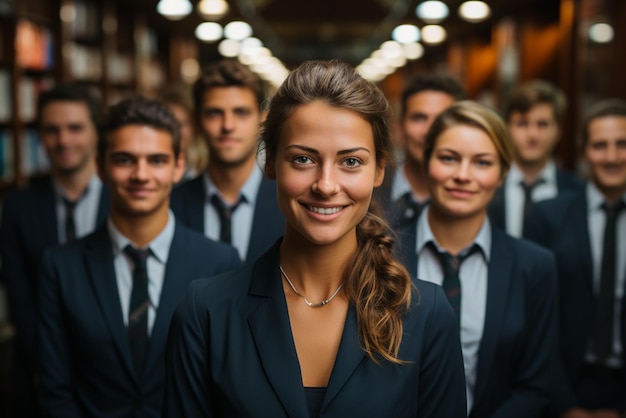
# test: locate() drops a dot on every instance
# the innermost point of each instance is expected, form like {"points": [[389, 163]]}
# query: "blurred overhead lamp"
{"points": [[213, 9], [229, 48], [432, 11], [237, 30], [209, 31], [413, 51], [474, 11], [433, 34], [601, 33], [405, 34], [174, 9]]}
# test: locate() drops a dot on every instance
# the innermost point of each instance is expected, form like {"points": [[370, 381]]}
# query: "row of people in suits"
{"points": [[584, 385], [229, 98]]}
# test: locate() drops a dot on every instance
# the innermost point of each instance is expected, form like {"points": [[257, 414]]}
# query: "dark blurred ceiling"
{"points": [[296, 30]]}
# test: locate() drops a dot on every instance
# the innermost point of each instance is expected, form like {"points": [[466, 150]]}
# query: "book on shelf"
{"points": [[34, 158], [6, 108], [34, 48], [7, 166]]}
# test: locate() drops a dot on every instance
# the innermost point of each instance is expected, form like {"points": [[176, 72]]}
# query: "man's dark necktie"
{"points": [[451, 266], [139, 304], [602, 345], [70, 225], [225, 214], [528, 201]]}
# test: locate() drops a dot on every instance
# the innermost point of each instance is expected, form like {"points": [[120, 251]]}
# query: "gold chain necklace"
{"points": [[309, 303]]}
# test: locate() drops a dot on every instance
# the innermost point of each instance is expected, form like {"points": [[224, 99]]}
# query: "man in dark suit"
{"points": [[405, 189], [68, 203], [106, 300], [534, 115], [232, 201], [586, 230]]}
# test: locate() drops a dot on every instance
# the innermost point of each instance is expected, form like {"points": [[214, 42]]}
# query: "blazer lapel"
{"points": [[271, 331], [171, 293], [349, 357], [47, 210], [99, 260], [499, 276]]}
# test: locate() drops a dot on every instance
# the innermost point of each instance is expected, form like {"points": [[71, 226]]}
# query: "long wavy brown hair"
{"points": [[377, 284]]}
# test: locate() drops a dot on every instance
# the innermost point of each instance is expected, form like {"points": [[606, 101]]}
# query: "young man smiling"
{"points": [[232, 201], [587, 232], [106, 300]]}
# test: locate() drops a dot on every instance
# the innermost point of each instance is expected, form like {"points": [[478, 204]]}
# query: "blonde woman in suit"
{"points": [[502, 289]]}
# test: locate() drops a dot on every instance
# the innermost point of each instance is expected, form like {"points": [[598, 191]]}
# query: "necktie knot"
{"points": [[613, 209], [409, 208], [225, 213], [451, 265]]}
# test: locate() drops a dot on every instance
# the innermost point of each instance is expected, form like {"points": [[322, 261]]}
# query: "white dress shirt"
{"points": [[242, 218], [160, 248], [514, 195], [85, 211], [473, 274]]}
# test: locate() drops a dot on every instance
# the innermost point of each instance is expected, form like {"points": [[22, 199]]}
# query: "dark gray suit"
{"points": [[519, 335], [188, 203], [86, 364], [231, 354]]}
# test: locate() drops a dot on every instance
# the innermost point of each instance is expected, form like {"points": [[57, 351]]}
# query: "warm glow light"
{"points": [[405, 34], [237, 30], [174, 9], [229, 48], [212, 9], [209, 31], [189, 70], [601, 33], [433, 34], [248, 45], [432, 11], [413, 51], [392, 49], [474, 11]]}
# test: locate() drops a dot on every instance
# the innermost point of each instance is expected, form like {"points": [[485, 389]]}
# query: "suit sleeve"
{"points": [[187, 388], [56, 392], [442, 377], [531, 382], [17, 281]]}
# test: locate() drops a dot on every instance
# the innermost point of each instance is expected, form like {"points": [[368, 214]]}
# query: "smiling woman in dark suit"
{"points": [[502, 289], [327, 322]]}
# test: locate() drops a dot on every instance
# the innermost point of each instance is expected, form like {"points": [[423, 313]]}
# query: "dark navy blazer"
{"points": [[561, 224], [231, 354], [86, 362], [188, 202], [28, 227], [519, 335], [565, 183]]}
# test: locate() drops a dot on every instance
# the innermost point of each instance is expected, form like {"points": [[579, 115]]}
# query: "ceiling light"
{"points": [[212, 9], [229, 48], [601, 33], [433, 34], [174, 9], [248, 45], [405, 34], [474, 11], [432, 11], [413, 51], [209, 31], [237, 30], [392, 49]]}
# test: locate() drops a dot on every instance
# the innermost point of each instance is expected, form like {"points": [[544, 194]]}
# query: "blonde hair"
{"points": [[474, 114], [377, 284]]}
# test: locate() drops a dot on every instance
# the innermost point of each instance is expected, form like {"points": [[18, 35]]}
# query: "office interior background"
{"points": [[126, 46]]}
